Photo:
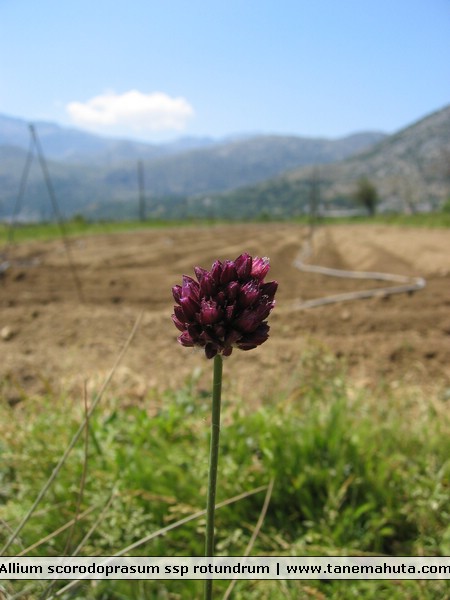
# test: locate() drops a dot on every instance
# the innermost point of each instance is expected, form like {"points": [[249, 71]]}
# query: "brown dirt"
{"points": [[51, 341]]}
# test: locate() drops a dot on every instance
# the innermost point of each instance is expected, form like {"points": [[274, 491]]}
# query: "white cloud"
{"points": [[132, 111]]}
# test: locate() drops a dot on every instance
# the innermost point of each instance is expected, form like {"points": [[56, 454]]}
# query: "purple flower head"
{"points": [[226, 307]]}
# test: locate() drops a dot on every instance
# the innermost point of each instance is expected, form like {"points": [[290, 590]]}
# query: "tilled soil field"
{"points": [[51, 341]]}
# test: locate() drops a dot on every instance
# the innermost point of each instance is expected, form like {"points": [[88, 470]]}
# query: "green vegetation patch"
{"points": [[79, 226], [355, 472]]}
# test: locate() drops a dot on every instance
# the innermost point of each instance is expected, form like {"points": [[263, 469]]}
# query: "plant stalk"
{"points": [[213, 462]]}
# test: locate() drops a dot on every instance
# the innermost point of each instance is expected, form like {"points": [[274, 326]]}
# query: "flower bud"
{"points": [[269, 289], [209, 312], [249, 293], [228, 272], [226, 307], [190, 307], [260, 267], [176, 292], [243, 265]]}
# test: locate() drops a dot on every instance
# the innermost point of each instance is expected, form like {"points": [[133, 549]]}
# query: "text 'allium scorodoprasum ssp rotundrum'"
{"points": [[226, 307]]}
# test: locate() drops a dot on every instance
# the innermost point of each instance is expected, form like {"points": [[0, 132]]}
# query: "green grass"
{"points": [[49, 231], [78, 226], [435, 219], [356, 472]]}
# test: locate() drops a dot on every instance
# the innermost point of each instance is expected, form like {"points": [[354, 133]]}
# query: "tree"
{"points": [[366, 194]]}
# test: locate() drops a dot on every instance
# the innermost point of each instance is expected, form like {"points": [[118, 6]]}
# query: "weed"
{"points": [[350, 478]]}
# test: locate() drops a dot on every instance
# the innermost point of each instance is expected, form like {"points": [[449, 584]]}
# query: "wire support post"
{"points": [[57, 212]]}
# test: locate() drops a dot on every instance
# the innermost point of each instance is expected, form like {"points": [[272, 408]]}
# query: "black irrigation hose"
{"points": [[409, 284]]}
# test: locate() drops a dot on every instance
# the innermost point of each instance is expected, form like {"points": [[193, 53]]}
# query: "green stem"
{"points": [[213, 461]]}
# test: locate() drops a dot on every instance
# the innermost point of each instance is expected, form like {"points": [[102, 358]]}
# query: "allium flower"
{"points": [[226, 307]]}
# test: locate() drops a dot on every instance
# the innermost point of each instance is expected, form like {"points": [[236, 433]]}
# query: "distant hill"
{"points": [[410, 169], [228, 165], [97, 176], [72, 145]]}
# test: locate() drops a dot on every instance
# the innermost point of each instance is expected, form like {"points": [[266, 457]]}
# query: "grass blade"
{"points": [[74, 440]]}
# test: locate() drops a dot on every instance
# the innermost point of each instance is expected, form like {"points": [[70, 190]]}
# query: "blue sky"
{"points": [[162, 69]]}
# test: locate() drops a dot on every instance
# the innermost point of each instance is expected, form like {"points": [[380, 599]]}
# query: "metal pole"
{"points": [[18, 203], [57, 213]]}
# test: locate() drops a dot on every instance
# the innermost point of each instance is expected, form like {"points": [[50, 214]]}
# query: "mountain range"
{"points": [[240, 176], [410, 170]]}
